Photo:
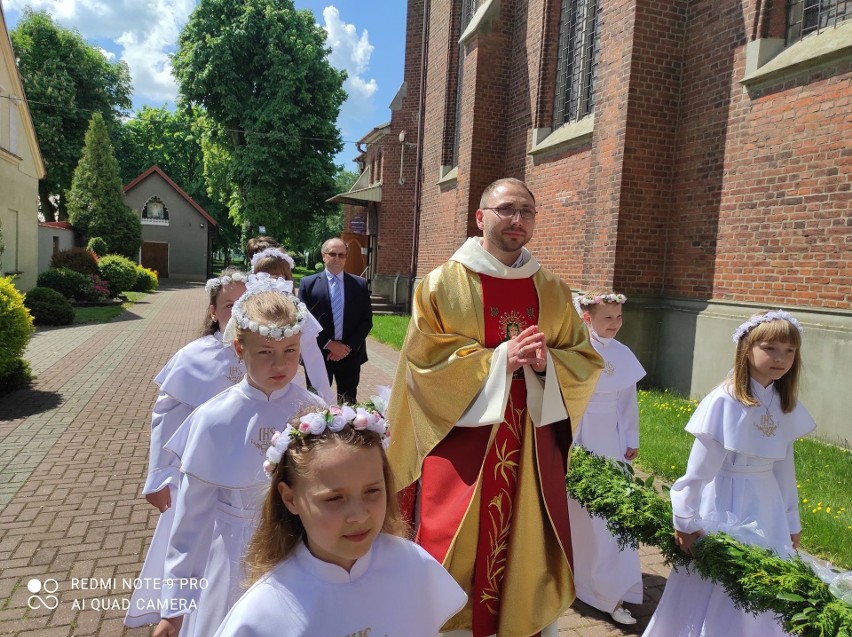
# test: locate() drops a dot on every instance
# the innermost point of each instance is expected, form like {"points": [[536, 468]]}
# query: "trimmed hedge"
{"points": [[98, 246], [69, 283], [16, 329], [118, 271], [77, 259], [49, 307], [146, 280]]}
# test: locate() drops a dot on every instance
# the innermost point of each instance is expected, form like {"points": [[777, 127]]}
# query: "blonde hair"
{"points": [[280, 531], [267, 308], [787, 386], [211, 326]]}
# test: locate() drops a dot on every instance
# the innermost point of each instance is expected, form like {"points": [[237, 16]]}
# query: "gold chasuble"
{"points": [[490, 448]]}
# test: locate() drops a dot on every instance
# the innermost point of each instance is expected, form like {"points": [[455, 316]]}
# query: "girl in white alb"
{"points": [[275, 262], [326, 558], [196, 373], [220, 446], [740, 477], [604, 575]]}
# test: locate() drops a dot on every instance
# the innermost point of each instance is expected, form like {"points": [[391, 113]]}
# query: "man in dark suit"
{"points": [[341, 303]]}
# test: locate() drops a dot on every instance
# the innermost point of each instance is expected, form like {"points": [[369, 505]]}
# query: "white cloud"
{"points": [[351, 53], [146, 32]]}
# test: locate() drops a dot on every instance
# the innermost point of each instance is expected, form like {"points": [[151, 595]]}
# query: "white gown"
{"points": [[396, 590], [196, 373], [604, 576], [221, 447], [740, 480]]}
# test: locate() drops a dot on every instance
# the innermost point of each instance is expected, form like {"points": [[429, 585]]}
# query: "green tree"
{"points": [[96, 204], [260, 69], [66, 80]]}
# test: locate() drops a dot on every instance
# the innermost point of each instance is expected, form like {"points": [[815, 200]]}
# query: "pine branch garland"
{"points": [[756, 579]]}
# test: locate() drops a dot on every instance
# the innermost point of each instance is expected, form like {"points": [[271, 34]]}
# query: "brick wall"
{"points": [[690, 187]]}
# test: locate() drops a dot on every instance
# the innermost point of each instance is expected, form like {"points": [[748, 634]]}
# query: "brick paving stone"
{"points": [[73, 456]]}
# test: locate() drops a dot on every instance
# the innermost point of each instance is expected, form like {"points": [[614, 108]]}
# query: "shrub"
{"points": [[146, 280], [16, 328], [99, 291], [98, 246], [49, 307], [77, 259], [70, 284], [119, 272]]}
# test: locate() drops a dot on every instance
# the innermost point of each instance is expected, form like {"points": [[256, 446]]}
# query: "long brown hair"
{"points": [[787, 386], [210, 327], [280, 531]]}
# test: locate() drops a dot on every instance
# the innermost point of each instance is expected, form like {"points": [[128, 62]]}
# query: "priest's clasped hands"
{"points": [[528, 348]]}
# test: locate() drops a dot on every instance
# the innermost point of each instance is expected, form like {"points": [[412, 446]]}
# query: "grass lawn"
{"points": [[105, 313], [824, 473], [390, 329]]}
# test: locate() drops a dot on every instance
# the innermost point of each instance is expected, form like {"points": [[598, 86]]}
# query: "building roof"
{"points": [[156, 169], [361, 192], [61, 225]]}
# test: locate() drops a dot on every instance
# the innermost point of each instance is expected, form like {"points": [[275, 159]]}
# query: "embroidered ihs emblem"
{"points": [[494, 311], [767, 424], [264, 438], [609, 368], [235, 373], [530, 312], [511, 324]]}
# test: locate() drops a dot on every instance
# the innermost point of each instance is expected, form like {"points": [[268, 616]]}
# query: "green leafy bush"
{"points": [[99, 291], [69, 283], [98, 246], [146, 280], [49, 307], [16, 328], [119, 272], [77, 259]]}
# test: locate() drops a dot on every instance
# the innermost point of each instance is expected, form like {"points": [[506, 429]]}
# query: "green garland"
{"points": [[756, 579]]}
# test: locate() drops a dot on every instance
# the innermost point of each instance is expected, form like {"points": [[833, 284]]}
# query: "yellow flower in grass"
{"points": [[828, 509]]}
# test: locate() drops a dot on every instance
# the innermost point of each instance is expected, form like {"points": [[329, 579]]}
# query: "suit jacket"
{"points": [[357, 311]]}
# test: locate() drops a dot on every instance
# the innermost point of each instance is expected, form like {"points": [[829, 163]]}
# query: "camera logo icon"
{"points": [[43, 594]]}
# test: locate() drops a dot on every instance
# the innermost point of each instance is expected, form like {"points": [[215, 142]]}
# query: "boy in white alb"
{"points": [[604, 575]]}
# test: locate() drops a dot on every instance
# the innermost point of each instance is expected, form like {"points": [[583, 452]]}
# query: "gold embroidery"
{"points": [[530, 312], [494, 310], [235, 373], [264, 437], [609, 368], [511, 324], [767, 425]]}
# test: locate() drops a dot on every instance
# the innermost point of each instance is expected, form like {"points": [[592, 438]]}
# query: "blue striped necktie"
{"points": [[336, 308]]}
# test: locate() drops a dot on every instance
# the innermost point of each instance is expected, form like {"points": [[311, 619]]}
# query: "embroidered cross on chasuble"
{"points": [[477, 474]]}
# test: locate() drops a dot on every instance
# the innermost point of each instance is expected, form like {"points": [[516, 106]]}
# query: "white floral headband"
{"points": [[367, 416], [258, 285], [213, 284], [276, 253], [754, 321], [595, 299]]}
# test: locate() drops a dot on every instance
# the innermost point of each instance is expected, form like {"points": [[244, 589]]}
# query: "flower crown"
{"points": [[276, 253], [315, 423], [258, 285], [213, 284], [595, 299], [754, 321]]}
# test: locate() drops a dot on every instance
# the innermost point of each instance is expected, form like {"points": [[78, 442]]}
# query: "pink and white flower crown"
{"points": [[362, 416], [277, 253], [754, 321], [217, 282]]}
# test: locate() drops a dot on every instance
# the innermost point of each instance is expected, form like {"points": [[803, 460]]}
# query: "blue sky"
{"points": [[367, 38]]}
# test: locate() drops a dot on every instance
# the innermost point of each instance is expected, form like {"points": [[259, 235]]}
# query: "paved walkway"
{"points": [[73, 455]]}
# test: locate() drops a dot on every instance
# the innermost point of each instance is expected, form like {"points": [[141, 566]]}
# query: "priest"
{"points": [[494, 376]]}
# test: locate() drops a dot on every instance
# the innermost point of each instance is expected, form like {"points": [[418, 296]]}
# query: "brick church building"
{"points": [[695, 155]]}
